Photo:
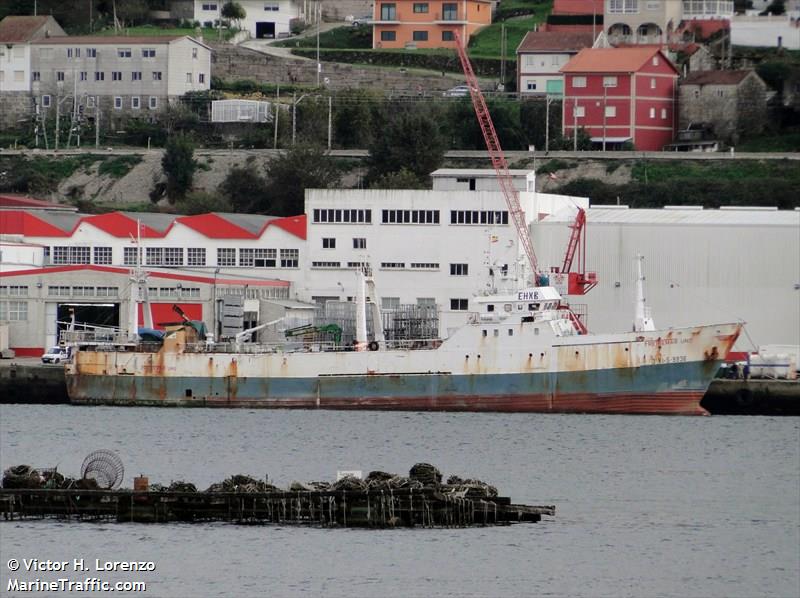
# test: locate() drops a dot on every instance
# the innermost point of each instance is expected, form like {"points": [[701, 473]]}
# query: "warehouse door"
{"points": [[265, 30], [88, 316]]}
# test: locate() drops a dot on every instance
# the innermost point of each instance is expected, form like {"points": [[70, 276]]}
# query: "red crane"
{"points": [[580, 282], [498, 158]]}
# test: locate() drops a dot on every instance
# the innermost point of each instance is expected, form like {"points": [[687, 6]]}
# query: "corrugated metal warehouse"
{"points": [[700, 266]]}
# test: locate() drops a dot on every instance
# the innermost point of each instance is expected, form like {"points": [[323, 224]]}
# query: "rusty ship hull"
{"points": [[653, 372]]}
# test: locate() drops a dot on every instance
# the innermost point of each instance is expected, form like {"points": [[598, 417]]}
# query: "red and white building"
{"points": [[621, 95]]}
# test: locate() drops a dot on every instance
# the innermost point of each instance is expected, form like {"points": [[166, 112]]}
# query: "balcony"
{"points": [[448, 18], [708, 9]]}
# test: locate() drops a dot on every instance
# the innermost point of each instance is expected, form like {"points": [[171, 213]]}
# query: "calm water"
{"points": [[646, 506]]}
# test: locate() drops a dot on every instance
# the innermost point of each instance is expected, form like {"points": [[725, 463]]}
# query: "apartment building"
{"points": [[655, 21], [17, 33], [540, 56], [621, 95], [432, 24], [120, 75]]}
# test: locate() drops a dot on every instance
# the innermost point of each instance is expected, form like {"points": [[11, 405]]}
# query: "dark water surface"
{"points": [[646, 506]]}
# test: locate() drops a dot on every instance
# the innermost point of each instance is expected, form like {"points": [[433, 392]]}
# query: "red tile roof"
{"points": [[13, 200], [555, 41], [20, 29], [704, 28], [611, 60], [121, 225], [716, 77], [578, 7]]}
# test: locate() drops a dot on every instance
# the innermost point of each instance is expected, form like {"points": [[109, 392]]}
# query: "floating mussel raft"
{"points": [[381, 500]]}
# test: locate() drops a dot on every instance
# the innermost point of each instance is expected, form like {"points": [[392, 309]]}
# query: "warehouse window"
{"points": [[359, 243], [346, 216], [129, 256], [390, 303], [102, 255], [173, 256], [58, 291], [290, 258], [107, 291], [328, 242], [65, 254], [226, 256], [196, 256], [478, 217], [14, 311]]}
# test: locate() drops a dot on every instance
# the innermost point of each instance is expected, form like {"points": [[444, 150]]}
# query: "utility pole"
{"points": [[503, 42], [330, 121], [97, 122], [605, 90], [294, 114], [58, 119], [277, 113], [319, 26], [547, 124], [575, 125]]}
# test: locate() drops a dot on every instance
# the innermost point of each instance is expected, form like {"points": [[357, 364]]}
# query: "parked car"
{"points": [[56, 355], [358, 21], [460, 91]]}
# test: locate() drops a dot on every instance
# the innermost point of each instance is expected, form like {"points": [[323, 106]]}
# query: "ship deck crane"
{"points": [[498, 158], [510, 192]]}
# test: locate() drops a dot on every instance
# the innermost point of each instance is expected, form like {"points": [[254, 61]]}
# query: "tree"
{"points": [[244, 188], [201, 202], [411, 140], [179, 165], [402, 179], [302, 167], [234, 12]]}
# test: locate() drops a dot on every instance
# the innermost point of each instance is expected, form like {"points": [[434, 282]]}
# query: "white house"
{"points": [[767, 31], [540, 56], [266, 19]]}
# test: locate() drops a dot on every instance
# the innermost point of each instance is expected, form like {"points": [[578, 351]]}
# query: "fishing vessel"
{"points": [[519, 352]]}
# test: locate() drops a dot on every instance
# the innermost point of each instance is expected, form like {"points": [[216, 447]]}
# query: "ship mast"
{"points": [[643, 319]]}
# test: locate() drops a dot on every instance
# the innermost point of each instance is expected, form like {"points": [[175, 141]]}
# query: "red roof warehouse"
{"points": [[621, 94]]}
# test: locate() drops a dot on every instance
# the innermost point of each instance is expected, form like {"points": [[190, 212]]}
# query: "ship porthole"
{"points": [[373, 346]]}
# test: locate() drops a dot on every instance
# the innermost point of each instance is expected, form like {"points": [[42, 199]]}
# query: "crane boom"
{"points": [[498, 157]]}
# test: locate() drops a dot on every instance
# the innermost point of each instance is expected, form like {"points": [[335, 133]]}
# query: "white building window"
{"points": [[194, 52], [271, 6], [156, 75], [209, 6], [15, 311], [117, 103], [290, 258], [173, 256], [459, 269], [102, 255], [107, 291], [136, 76], [579, 82], [393, 265], [188, 77], [611, 111], [226, 256], [531, 85], [359, 243], [329, 243], [390, 303], [116, 75], [123, 52], [129, 256], [136, 102], [59, 75], [459, 304], [148, 52], [91, 52], [201, 78], [45, 101], [196, 256], [152, 102]]}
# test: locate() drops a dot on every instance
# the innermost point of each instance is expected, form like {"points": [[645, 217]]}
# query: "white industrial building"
{"points": [[265, 19], [701, 266], [443, 247]]}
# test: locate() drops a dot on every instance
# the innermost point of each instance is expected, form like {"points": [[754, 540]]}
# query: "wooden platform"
{"points": [[426, 507]]}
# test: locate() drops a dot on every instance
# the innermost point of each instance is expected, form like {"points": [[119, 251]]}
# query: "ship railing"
{"points": [[301, 347], [82, 337]]}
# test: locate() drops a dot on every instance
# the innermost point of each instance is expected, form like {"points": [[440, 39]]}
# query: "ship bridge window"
{"points": [[536, 332], [533, 307], [490, 307], [496, 332], [510, 332], [484, 332], [507, 307]]}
